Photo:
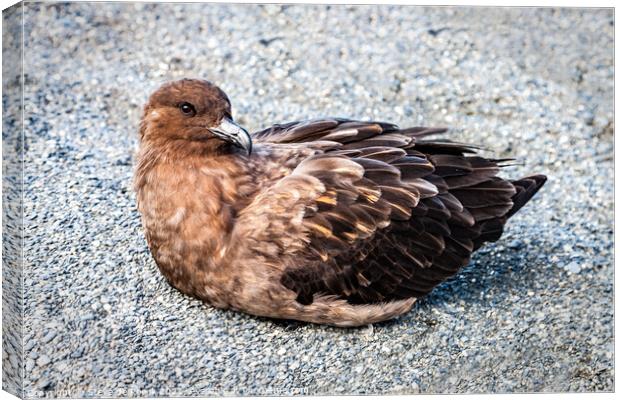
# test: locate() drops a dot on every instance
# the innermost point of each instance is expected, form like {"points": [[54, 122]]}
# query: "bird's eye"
{"points": [[187, 109]]}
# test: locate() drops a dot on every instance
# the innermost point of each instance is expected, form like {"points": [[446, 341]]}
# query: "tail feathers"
{"points": [[526, 189], [491, 230]]}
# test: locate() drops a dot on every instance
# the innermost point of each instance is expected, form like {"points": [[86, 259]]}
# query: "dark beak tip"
{"points": [[229, 131], [248, 148]]}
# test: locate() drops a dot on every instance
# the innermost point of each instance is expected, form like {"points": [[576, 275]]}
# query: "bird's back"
{"points": [[397, 212]]}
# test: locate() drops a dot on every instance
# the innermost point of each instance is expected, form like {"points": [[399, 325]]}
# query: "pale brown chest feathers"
{"points": [[187, 212], [189, 207]]}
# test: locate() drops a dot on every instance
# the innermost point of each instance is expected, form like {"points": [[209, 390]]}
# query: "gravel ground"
{"points": [[532, 313]]}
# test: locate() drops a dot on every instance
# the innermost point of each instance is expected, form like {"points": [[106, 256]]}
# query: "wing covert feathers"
{"points": [[398, 212]]}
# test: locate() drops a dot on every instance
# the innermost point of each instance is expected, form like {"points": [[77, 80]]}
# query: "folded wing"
{"points": [[398, 213]]}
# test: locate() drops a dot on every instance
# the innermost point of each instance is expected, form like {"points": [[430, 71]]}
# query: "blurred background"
{"points": [[532, 313]]}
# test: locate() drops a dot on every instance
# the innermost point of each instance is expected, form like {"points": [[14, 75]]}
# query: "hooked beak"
{"points": [[233, 133]]}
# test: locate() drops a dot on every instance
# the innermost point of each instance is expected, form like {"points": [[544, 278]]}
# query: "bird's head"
{"points": [[192, 111]]}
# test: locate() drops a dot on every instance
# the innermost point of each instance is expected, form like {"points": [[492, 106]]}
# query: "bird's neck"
{"points": [[172, 156], [216, 177]]}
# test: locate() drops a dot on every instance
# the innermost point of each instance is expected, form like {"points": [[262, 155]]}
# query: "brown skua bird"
{"points": [[330, 221]]}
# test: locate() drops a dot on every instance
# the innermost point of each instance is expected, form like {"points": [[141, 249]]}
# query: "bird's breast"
{"points": [[187, 218]]}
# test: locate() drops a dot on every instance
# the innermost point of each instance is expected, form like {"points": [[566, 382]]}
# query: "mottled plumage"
{"points": [[329, 221]]}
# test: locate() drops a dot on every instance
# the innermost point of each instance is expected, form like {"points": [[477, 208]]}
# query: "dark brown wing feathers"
{"points": [[411, 219]]}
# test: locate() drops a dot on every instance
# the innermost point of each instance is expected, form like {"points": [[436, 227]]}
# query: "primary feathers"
{"points": [[329, 221]]}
